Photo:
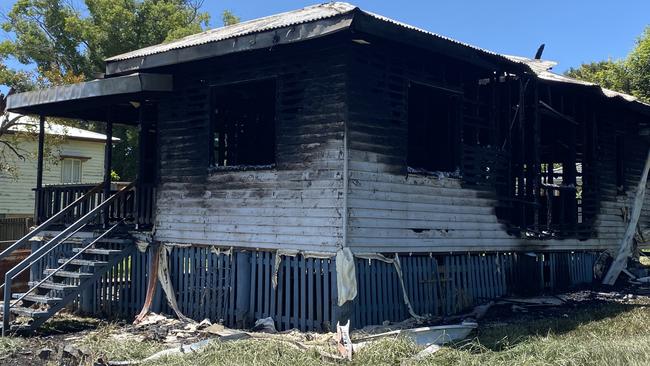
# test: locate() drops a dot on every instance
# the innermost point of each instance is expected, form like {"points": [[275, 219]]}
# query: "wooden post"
{"points": [[535, 170], [243, 317], [523, 193], [625, 250], [39, 171], [108, 155], [143, 130]]}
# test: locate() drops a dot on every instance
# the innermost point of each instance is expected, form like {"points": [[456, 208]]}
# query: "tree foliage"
{"points": [[609, 74], [228, 18], [62, 37], [10, 149], [638, 64], [67, 40], [630, 75]]}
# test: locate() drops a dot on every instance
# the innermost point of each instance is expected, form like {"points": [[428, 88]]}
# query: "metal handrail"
{"points": [[27, 262], [22, 241], [92, 242], [39, 250]]}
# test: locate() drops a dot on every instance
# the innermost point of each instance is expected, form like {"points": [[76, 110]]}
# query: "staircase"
{"points": [[76, 272], [74, 265]]}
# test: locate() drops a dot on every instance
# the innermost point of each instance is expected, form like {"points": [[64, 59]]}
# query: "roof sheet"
{"points": [[30, 124], [305, 15], [281, 20], [542, 68]]}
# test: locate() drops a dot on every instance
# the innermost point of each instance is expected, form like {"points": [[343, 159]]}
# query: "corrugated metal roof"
{"points": [[287, 19], [30, 125], [542, 68], [322, 12]]}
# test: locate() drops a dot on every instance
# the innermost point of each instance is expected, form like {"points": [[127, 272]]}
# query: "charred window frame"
{"points": [[434, 116], [242, 120], [553, 184]]}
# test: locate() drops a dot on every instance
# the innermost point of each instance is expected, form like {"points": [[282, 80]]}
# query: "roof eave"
{"points": [[249, 42], [92, 99], [635, 105], [385, 28]]}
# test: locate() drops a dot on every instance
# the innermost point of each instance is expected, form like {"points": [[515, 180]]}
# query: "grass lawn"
{"points": [[600, 334], [591, 333]]}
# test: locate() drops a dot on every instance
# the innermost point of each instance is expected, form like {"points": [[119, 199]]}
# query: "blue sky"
{"points": [[574, 31]]}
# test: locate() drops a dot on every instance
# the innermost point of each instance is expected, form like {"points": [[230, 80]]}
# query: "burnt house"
{"points": [[328, 163]]}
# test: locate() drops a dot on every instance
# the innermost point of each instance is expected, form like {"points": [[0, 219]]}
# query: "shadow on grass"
{"points": [[67, 324], [504, 329]]}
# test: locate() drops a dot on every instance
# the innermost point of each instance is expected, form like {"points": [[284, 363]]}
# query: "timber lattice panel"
{"points": [[205, 281], [305, 294]]}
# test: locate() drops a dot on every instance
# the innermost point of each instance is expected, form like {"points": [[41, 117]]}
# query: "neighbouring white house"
{"points": [[76, 157]]}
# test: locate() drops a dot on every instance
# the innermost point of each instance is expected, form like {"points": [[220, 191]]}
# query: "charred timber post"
{"points": [[536, 168], [39, 169], [142, 130], [108, 155], [521, 109]]}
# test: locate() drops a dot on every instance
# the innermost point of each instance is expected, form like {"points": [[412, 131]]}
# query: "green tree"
{"points": [[228, 18], [609, 74], [67, 41], [638, 65], [630, 75]]}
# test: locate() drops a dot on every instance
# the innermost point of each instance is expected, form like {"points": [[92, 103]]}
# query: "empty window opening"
{"points": [[71, 170], [433, 119], [243, 124], [551, 196]]}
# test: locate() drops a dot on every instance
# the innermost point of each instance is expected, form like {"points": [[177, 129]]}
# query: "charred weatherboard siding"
{"points": [[297, 204], [396, 209]]}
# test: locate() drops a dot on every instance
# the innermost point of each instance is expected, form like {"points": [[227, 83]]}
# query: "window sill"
{"points": [[241, 168], [426, 173]]}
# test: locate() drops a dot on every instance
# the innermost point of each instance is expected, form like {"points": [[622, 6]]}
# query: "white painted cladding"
{"points": [[17, 195]]}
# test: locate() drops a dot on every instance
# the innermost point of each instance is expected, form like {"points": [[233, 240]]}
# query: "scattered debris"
{"points": [[174, 337], [632, 277], [74, 355], [518, 309], [533, 301], [424, 336], [266, 325], [214, 329], [192, 348], [205, 323], [427, 352], [343, 341], [45, 353], [641, 280]]}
